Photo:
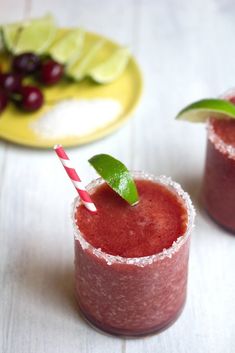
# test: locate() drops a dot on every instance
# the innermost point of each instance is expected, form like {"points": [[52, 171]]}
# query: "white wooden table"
{"points": [[186, 52]]}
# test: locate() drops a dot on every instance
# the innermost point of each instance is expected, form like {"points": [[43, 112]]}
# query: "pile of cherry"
{"points": [[28, 97]]}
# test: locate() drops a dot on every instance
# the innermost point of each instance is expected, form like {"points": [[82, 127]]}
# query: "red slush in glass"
{"points": [[219, 177], [131, 262]]}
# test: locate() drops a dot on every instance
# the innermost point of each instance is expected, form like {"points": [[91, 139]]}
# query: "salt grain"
{"points": [[76, 117]]}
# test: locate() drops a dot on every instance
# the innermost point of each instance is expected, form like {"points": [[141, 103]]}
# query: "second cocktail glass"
{"points": [[219, 177]]}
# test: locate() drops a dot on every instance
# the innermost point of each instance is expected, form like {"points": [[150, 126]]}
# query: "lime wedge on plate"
{"points": [[65, 48], [1, 43], [112, 67], [117, 176], [80, 67], [200, 111], [36, 35], [10, 34]]}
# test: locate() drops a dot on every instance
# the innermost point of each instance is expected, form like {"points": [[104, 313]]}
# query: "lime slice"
{"points": [[1, 41], [65, 48], [112, 67], [80, 67], [36, 35], [116, 176], [200, 111], [10, 34]]}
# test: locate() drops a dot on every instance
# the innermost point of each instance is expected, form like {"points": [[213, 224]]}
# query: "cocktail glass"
{"points": [[132, 296]]}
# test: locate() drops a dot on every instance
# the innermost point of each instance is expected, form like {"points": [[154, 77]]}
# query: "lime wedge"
{"points": [[200, 111], [65, 48], [80, 67], [1, 41], [10, 34], [112, 67], [116, 176], [36, 35]]}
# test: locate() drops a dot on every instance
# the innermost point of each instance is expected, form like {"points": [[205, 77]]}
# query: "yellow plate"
{"points": [[15, 124]]}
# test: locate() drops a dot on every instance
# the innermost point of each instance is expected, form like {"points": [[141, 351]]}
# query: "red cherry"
{"points": [[10, 83], [51, 72], [31, 98], [3, 101], [26, 63]]}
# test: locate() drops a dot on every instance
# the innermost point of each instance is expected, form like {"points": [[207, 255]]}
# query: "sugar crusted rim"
{"points": [[145, 260], [214, 138], [217, 141]]}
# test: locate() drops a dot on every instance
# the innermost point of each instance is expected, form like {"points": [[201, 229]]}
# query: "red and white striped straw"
{"points": [[85, 197]]}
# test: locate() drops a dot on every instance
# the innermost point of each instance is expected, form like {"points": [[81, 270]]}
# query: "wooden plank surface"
{"points": [[186, 52]]}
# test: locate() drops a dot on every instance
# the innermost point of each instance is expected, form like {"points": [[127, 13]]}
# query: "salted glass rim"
{"points": [[217, 141], [144, 260]]}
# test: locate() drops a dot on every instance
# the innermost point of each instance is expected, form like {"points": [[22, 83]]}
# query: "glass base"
{"points": [[129, 333]]}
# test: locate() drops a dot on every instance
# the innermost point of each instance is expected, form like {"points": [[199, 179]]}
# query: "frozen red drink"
{"points": [[131, 262], [219, 176]]}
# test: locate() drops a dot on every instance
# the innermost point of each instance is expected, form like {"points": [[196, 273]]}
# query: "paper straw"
{"points": [[71, 172]]}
